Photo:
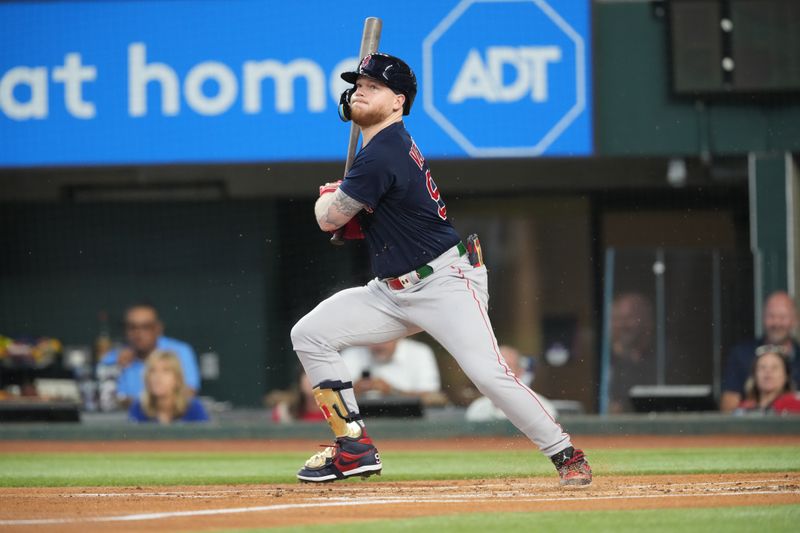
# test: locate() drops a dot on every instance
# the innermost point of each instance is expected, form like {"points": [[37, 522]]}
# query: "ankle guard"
{"points": [[342, 421], [563, 456]]}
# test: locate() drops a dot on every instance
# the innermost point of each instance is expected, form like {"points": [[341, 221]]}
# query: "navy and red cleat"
{"points": [[573, 468], [347, 457]]}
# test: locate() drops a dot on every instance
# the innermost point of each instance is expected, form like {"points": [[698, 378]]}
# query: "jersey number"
{"points": [[433, 190]]}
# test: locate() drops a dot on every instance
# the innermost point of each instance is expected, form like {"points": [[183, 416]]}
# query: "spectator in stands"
{"points": [[400, 367], [483, 410], [298, 403], [166, 397], [769, 387], [780, 328], [633, 360], [144, 334]]}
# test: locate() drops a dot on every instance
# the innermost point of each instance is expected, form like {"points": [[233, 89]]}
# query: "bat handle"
{"points": [[337, 238]]}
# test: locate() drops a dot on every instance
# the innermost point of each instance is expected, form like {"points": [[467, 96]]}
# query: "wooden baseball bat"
{"points": [[369, 44]]}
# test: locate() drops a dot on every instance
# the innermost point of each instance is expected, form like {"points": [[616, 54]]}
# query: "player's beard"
{"points": [[366, 116]]}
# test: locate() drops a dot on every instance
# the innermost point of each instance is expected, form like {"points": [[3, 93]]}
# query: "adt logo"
{"points": [[508, 78]]}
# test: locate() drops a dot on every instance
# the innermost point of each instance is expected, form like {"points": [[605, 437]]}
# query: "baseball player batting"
{"points": [[426, 279]]}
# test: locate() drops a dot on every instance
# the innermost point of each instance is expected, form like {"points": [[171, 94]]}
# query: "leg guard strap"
{"points": [[335, 385]]}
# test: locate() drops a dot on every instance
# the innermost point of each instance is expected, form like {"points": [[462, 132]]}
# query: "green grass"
{"points": [[159, 468], [774, 519]]}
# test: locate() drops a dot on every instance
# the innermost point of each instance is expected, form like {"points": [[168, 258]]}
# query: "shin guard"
{"points": [[342, 421]]}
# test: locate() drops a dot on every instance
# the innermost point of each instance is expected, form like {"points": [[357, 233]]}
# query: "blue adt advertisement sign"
{"points": [[228, 81]]}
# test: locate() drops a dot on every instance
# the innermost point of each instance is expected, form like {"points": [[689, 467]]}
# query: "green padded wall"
{"points": [[636, 114], [207, 267]]}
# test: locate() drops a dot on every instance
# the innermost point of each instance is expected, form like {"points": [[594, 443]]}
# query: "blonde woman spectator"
{"points": [[166, 397], [770, 387]]}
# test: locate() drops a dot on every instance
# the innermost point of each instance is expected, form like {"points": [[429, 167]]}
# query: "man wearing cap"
{"points": [[426, 278]]}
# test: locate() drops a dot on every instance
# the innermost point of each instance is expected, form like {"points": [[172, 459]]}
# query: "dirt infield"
{"points": [[229, 507], [200, 508]]}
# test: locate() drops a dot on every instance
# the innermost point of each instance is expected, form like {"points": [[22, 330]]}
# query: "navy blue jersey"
{"points": [[405, 223]]}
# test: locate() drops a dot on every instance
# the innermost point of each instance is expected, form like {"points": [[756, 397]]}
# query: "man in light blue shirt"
{"points": [[144, 333]]}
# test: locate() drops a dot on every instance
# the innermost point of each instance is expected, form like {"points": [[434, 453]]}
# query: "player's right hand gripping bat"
{"points": [[369, 44]]}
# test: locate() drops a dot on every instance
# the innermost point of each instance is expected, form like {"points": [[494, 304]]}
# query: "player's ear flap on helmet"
{"points": [[344, 104]]}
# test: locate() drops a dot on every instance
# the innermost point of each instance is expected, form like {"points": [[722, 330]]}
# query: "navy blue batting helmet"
{"points": [[392, 71]]}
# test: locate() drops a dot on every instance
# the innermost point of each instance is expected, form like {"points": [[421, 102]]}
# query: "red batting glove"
{"points": [[329, 187], [352, 230]]}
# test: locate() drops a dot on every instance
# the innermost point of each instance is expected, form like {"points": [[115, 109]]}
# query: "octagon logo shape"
{"points": [[504, 78]]}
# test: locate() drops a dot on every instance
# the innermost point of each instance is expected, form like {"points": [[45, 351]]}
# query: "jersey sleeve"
{"points": [[368, 180]]}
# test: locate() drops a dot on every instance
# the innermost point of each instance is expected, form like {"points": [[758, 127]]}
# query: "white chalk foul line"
{"points": [[388, 501], [201, 512]]}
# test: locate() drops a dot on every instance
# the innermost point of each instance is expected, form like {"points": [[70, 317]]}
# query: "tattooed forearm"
{"points": [[334, 210], [345, 205]]}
